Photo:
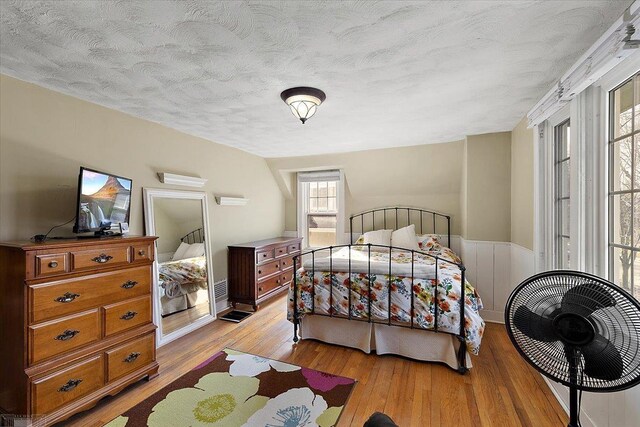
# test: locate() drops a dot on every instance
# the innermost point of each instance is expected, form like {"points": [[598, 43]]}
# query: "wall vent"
{"points": [[221, 290]]}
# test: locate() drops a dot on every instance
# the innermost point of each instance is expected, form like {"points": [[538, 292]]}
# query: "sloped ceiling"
{"points": [[396, 73]]}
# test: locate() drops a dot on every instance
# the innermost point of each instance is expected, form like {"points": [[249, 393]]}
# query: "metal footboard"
{"points": [[297, 313]]}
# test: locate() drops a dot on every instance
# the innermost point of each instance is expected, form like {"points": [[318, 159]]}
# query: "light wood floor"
{"points": [[501, 390]]}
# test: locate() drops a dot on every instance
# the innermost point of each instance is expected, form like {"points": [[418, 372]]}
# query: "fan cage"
{"points": [[620, 324]]}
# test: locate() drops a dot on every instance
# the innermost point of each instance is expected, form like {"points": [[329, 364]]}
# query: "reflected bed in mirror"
{"points": [[183, 291]]}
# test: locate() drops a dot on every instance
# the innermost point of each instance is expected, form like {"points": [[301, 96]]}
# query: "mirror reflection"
{"points": [[182, 265]]}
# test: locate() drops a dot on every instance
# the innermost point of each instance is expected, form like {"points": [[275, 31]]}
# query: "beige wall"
{"points": [[486, 190], [522, 185], [45, 137], [426, 176]]}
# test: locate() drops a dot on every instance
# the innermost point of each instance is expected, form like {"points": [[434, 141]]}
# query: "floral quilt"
{"points": [[183, 276], [322, 292]]}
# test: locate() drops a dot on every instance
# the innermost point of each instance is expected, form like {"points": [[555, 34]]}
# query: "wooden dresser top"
{"points": [[266, 242], [75, 242]]}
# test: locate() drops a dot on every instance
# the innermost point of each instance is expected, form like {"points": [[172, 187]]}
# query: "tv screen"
{"points": [[103, 200]]}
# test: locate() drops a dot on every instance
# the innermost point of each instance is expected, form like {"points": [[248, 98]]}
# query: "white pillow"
{"points": [[179, 253], [405, 238], [195, 250], [378, 237]]}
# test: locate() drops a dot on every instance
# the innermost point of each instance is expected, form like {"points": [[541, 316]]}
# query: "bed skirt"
{"points": [[383, 339]]}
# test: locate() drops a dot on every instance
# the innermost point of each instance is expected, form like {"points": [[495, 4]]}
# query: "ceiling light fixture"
{"points": [[303, 101]]}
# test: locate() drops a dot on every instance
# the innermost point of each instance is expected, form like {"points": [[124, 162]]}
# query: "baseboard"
{"points": [[492, 316], [222, 305], [585, 420]]}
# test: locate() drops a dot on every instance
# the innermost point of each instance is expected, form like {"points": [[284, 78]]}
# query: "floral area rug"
{"points": [[238, 389]]}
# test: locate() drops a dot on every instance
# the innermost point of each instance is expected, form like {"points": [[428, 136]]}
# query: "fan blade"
{"points": [[602, 359], [586, 298], [533, 325]]}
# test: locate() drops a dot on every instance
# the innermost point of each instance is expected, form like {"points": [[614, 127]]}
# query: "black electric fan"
{"points": [[577, 329]]}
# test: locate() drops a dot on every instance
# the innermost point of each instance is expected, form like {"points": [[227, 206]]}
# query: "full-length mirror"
{"points": [[183, 288]]}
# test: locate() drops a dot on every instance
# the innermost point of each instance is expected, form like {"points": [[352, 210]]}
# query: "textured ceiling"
{"points": [[395, 73]]}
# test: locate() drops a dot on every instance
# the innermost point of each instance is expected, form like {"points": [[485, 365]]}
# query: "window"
{"points": [[322, 215], [624, 185], [562, 199], [319, 208]]}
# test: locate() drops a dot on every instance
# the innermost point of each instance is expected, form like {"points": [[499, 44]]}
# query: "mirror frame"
{"points": [[150, 229]]}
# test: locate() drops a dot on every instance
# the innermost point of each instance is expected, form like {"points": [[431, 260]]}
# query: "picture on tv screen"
{"points": [[103, 200]]}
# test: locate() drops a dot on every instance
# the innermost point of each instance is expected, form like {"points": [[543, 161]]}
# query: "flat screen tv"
{"points": [[104, 200]]}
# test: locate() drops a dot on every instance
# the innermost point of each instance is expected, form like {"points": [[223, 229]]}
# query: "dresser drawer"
{"points": [[64, 297], [55, 337], [129, 357], [280, 251], [287, 263], [66, 385], [99, 258], [269, 285], [126, 315], [142, 252], [50, 264], [294, 248], [267, 269], [286, 276], [262, 256]]}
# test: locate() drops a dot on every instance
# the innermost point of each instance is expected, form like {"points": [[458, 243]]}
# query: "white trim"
{"points": [[302, 207], [320, 176], [602, 88], [555, 388], [231, 201], [222, 305], [187, 181], [150, 194], [607, 52], [494, 269]]}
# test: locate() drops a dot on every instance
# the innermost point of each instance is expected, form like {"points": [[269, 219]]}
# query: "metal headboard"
{"points": [[424, 220], [195, 236]]}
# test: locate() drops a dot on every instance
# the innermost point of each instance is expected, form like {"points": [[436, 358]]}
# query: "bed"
{"points": [[183, 279], [384, 298]]}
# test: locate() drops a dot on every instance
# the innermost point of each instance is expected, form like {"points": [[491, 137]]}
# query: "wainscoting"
{"points": [[495, 269]]}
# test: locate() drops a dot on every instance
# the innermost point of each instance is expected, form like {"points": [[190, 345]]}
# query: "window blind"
{"points": [[319, 176]]}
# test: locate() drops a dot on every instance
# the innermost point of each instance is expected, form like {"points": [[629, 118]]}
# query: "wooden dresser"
{"points": [[261, 270], [76, 324]]}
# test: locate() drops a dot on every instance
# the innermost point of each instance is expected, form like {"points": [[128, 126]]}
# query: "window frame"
{"points": [[559, 196], [303, 211], [545, 190], [634, 192]]}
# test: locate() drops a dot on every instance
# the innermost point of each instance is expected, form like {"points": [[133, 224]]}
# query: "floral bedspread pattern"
{"points": [[330, 293], [183, 276]]}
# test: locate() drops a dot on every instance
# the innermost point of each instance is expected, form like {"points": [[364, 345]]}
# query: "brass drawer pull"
{"points": [[141, 253], [128, 315], [102, 258], [259, 271], [70, 385], [67, 297], [53, 264], [132, 357], [67, 335], [129, 284], [259, 289]]}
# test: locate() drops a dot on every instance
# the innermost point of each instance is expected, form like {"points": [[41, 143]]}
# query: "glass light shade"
{"points": [[303, 101]]}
